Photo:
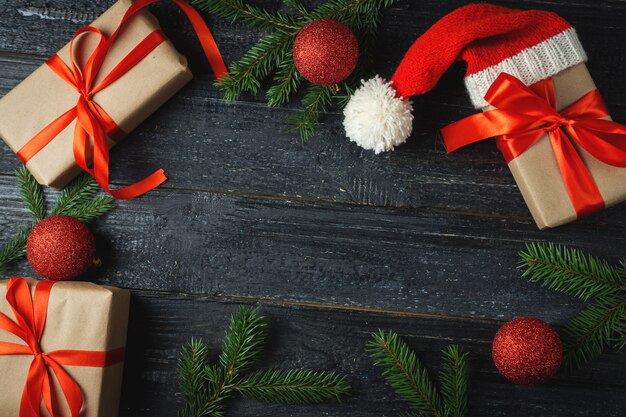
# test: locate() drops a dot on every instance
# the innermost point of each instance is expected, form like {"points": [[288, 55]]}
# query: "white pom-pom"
{"points": [[375, 118]]}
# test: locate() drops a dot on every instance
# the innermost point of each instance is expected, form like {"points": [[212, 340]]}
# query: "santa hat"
{"points": [[531, 45]]}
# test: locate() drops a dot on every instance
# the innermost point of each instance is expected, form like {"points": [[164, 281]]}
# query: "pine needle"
{"points": [[602, 324], [295, 386], [15, 249], [75, 194], [571, 271], [453, 378], [406, 375], [31, 192], [244, 342], [206, 387]]}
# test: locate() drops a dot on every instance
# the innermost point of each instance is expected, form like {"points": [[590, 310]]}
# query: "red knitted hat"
{"points": [[531, 45]]}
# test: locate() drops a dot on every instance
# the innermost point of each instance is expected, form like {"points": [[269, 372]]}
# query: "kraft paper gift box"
{"points": [[537, 173], [80, 316], [43, 96]]}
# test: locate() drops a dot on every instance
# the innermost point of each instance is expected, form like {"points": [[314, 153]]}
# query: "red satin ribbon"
{"points": [[524, 114], [93, 124], [30, 315]]}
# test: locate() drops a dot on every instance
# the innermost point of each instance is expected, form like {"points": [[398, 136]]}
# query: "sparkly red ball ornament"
{"points": [[527, 351], [325, 52], [60, 248]]}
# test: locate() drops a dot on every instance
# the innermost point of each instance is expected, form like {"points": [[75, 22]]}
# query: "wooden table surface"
{"points": [[332, 242]]}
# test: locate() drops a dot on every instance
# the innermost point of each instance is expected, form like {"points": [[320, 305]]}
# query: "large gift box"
{"points": [[65, 340], [44, 96]]}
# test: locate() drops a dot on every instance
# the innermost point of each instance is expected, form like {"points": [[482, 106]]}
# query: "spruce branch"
{"points": [[31, 192], [15, 249], [406, 375], [254, 16], [298, 7], [76, 193], [287, 80], [318, 99], [296, 386], [453, 378], [602, 324], [206, 387], [571, 271], [596, 328], [244, 342]]}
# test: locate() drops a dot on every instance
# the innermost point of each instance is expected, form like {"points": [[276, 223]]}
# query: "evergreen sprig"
{"points": [[602, 324], [205, 387], [408, 377], [77, 200], [273, 54]]}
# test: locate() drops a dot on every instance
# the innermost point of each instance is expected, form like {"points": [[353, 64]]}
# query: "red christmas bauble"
{"points": [[527, 351], [325, 52], [60, 248]]}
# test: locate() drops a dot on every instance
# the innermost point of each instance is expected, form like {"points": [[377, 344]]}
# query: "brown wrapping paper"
{"points": [[43, 96], [537, 173], [82, 316]]}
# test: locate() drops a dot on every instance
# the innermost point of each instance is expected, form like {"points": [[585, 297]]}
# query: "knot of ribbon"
{"points": [[93, 124], [30, 319], [524, 114]]}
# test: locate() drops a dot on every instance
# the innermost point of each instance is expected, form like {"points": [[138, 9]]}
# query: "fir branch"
{"points": [[247, 73], [287, 80], [453, 378], [15, 249], [597, 327], [77, 193], [206, 387], [31, 191], [298, 7], [571, 271], [406, 375], [91, 209], [253, 15], [191, 371], [296, 386], [244, 342], [318, 99]]}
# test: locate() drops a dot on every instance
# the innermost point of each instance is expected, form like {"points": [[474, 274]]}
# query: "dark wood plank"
{"points": [[335, 340], [360, 256]]}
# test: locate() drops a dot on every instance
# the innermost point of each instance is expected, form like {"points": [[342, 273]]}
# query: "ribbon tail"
{"points": [[581, 187], [206, 38], [70, 388], [603, 139], [32, 393]]}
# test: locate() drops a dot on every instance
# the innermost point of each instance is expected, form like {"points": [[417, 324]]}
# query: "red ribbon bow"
{"points": [[30, 315], [93, 124], [524, 114]]}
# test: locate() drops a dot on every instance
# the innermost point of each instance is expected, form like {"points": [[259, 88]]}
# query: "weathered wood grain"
{"points": [[335, 340], [360, 256]]}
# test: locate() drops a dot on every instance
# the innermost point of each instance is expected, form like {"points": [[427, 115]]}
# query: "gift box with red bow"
{"points": [[104, 83], [61, 348]]}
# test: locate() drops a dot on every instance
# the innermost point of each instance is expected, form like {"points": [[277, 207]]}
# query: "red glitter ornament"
{"points": [[527, 351], [325, 52], [60, 248]]}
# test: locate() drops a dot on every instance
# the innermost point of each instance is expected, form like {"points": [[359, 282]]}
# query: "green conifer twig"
{"points": [[601, 324], [205, 387], [31, 192], [408, 377]]}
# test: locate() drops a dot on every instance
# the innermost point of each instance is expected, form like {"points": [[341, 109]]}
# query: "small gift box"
{"points": [[104, 83], [61, 348]]}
